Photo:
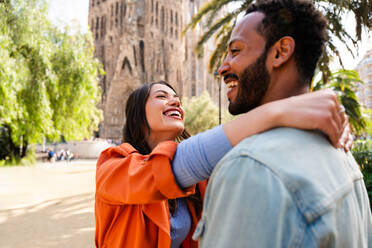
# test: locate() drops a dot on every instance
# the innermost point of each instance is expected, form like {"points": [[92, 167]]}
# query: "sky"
{"points": [[69, 11], [76, 11]]}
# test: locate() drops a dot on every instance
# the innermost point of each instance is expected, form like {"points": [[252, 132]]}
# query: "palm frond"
{"points": [[345, 82], [324, 68], [220, 23], [210, 6], [363, 15], [212, 14], [220, 52], [225, 29]]}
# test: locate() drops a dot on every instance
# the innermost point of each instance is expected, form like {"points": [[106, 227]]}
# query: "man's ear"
{"points": [[282, 51]]}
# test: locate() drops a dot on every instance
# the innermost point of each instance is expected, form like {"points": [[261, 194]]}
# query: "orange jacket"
{"points": [[131, 207]]}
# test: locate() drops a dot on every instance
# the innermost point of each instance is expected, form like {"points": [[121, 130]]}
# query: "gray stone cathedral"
{"points": [[140, 41]]}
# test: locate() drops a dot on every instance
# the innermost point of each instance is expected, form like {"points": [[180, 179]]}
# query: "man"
{"points": [[284, 187]]}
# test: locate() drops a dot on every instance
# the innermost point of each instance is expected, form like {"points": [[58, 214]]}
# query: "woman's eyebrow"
{"points": [[163, 91]]}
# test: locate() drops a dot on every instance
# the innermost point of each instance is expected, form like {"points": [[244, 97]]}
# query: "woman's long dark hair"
{"points": [[136, 129]]}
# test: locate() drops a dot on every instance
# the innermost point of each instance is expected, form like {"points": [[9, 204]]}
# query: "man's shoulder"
{"points": [[312, 170], [283, 144], [280, 139]]}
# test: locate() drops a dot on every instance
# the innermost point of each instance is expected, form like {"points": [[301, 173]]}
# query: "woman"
{"points": [[149, 190]]}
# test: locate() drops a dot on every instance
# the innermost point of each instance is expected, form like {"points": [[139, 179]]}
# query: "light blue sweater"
{"points": [[196, 157], [194, 162]]}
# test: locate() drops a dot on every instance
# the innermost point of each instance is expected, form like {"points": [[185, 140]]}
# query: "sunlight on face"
{"points": [[164, 113]]}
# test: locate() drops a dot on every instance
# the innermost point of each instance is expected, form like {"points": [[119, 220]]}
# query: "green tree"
{"points": [[48, 80], [202, 114], [220, 27], [362, 152], [344, 82], [368, 117]]}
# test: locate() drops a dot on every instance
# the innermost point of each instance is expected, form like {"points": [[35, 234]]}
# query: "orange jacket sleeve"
{"points": [[124, 176]]}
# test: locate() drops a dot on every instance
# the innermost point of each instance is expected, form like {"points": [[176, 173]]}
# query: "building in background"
{"points": [[364, 68], [138, 42]]}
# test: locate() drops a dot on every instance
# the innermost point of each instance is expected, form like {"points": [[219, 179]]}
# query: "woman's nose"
{"points": [[175, 101]]}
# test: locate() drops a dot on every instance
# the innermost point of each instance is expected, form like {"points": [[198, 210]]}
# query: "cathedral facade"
{"points": [[140, 41]]}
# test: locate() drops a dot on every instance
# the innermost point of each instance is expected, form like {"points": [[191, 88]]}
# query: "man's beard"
{"points": [[253, 83]]}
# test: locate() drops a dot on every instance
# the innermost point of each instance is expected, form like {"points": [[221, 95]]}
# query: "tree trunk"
{"points": [[24, 149]]}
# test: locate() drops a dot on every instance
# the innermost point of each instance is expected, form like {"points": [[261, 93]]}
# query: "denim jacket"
{"points": [[286, 188]]}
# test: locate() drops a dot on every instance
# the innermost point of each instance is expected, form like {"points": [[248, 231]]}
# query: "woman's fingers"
{"points": [[332, 120], [330, 128], [349, 143], [346, 139]]}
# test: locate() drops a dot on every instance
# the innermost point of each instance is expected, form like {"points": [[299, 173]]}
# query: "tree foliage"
{"points": [[202, 114], [344, 82], [362, 152], [220, 26], [367, 113], [48, 79]]}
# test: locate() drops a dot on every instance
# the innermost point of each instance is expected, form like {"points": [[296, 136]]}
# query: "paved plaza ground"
{"points": [[47, 205]]}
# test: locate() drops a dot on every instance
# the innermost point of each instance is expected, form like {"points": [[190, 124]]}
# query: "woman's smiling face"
{"points": [[164, 113]]}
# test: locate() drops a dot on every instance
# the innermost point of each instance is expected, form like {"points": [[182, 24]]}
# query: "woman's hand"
{"points": [[318, 110]]}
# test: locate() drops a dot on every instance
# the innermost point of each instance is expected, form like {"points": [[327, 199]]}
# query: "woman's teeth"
{"points": [[173, 113], [232, 84]]}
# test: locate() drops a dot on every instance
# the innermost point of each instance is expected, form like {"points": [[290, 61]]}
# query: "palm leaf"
{"points": [[213, 6], [345, 82], [217, 25], [219, 53]]}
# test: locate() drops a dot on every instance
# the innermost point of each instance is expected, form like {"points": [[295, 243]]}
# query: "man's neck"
{"points": [[285, 92], [301, 89], [285, 83]]}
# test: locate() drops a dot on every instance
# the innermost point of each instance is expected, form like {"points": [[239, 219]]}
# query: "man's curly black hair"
{"points": [[300, 20]]}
